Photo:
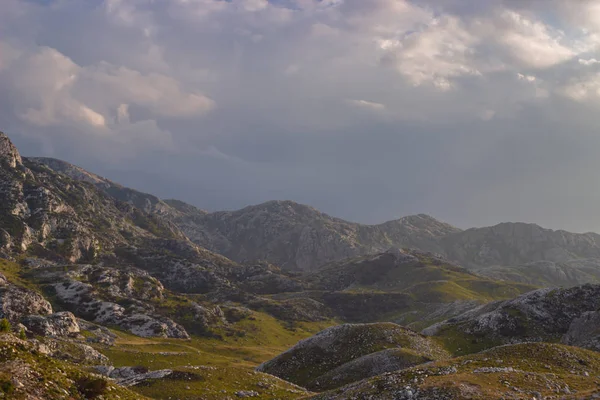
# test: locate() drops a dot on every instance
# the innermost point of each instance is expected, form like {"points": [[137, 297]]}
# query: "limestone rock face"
{"points": [[131, 376], [17, 302], [541, 315], [60, 324], [584, 331], [8, 152], [93, 292]]}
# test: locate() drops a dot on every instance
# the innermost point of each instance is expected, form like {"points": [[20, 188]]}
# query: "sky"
{"points": [[475, 112]]}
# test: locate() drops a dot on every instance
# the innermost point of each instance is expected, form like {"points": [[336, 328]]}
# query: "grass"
{"points": [[458, 343], [306, 364], [15, 274], [43, 377], [210, 366], [550, 370]]}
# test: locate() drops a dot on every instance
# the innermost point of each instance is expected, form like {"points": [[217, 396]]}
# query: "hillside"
{"points": [[405, 286], [346, 353], [547, 273], [522, 371], [541, 315]]}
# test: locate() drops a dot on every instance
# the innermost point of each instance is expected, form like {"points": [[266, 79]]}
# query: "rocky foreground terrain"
{"points": [[110, 293]]}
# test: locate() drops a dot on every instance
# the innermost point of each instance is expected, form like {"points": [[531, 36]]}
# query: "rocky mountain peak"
{"points": [[8, 152], [284, 207], [71, 170]]}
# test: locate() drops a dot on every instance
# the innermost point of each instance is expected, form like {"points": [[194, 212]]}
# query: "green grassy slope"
{"points": [[523, 371]]}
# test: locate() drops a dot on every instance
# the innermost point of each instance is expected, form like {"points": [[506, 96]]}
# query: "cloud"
{"points": [[589, 62], [369, 105], [366, 109], [442, 51], [532, 43]]}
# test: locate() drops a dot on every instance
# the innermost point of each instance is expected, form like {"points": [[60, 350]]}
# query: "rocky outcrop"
{"points": [[9, 155], [131, 376], [143, 201], [95, 293], [75, 352], [323, 359], [60, 324], [30, 372], [584, 331], [541, 315], [17, 302]]}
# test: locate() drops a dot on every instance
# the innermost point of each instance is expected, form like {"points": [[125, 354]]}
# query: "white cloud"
{"points": [[369, 105], [252, 5], [527, 78], [591, 61], [532, 43], [439, 53], [583, 88], [91, 116]]}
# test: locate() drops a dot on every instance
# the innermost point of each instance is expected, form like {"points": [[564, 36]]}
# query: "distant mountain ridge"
{"points": [[300, 237]]}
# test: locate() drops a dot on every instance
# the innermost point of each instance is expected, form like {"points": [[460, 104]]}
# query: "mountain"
{"points": [[299, 237], [288, 234], [142, 201], [512, 244], [296, 236]]}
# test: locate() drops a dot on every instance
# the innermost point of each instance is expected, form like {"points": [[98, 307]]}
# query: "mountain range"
{"points": [[298, 237], [108, 292]]}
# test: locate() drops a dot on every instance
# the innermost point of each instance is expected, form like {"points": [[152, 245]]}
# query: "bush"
{"points": [[4, 325], [7, 387], [92, 388]]}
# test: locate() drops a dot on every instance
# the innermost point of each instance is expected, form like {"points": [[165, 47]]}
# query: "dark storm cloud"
{"points": [[474, 112]]}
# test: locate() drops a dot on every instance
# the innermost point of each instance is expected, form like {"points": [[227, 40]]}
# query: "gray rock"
{"points": [[130, 376], [17, 302], [584, 331], [247, 393], [59, 324]]}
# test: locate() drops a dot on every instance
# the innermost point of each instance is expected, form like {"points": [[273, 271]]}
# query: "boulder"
{"points": [[59, 324], [131, 376], [584, 331], [17, 302]]}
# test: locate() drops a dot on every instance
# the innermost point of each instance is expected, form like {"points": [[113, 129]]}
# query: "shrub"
{"points": [[92, 388], [7, 387], [4, 325]]}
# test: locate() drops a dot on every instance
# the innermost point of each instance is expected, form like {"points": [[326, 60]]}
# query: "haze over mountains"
{"points": [[295, 236]]}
